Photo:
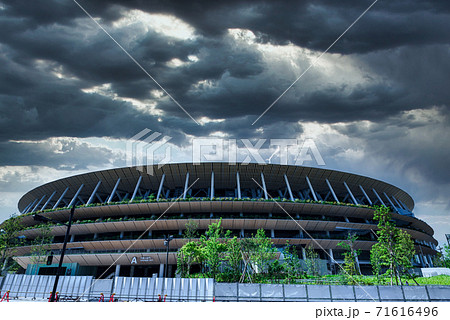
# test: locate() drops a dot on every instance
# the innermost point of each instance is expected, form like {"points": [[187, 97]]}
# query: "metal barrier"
{"points": [[85, 288], [39, 287], [328, 293], [168, 289]]}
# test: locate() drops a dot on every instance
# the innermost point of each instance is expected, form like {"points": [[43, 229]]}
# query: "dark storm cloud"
{"points": [[312, 24], [414, 143], [401, 47], [59, 153]]}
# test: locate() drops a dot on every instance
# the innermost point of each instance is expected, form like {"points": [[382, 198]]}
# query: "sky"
{"points": [[74, 90]]}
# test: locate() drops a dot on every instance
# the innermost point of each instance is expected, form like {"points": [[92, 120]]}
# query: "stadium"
{"points": [[123, 215]]}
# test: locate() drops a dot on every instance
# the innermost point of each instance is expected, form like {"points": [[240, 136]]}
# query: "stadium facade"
{"points": [[114, 208]]}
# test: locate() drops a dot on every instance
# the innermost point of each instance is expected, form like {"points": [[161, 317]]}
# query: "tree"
{"points": [[234, 257], [263, 251], [292, 264], [257, 254], [312, 261], [41, 247], [191, 231], [9, 239], [188, 254], [214, 248], [351, 266], [394, 248]]}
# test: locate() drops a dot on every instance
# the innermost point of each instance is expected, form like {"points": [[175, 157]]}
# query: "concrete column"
{"points": [[422, 261], [350, 193], [160, 186], [91, 198], [238, 184], [212, 184], [301, 234], [313, 193], [186, 185], [332, 191], [117, 272], [303, 253], [330, 252], [357, 263], [272, 233], [161, 270], [242, 233], [113, 192], [60, 198], [431, 261], [291, 196], [136, 189], [74, 199], [48, 201], [365, 194], [264, 186], [121, 235], [72, 238], [95, 236]]}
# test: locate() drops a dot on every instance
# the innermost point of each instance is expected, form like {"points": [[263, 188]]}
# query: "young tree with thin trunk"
{"points": [[292, 265], [312, 261], [394, 248], [41, 247], [351, 266]]}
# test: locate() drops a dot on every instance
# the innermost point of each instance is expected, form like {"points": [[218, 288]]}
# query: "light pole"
{"points": [[167, 243], [66, 238]]}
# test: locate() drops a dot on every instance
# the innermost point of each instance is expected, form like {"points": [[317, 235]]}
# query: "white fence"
{"points": [[328, 293], [85, 288], [125, 288], [170, 289], [431, 272], [39, 287]]}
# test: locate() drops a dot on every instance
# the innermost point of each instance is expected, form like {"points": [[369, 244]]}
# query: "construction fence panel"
{"points": [[318, 292], [366, 293], [295, 292], [178, 289], [391, 293], [342, 293], [415, 293], [272, 292], [439, 293], [98, 287], [168, 289], [226, 291], [249, 292], [39, 286]]}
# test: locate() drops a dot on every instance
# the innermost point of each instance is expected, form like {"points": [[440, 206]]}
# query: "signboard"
{"points": [[142, 259]]}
